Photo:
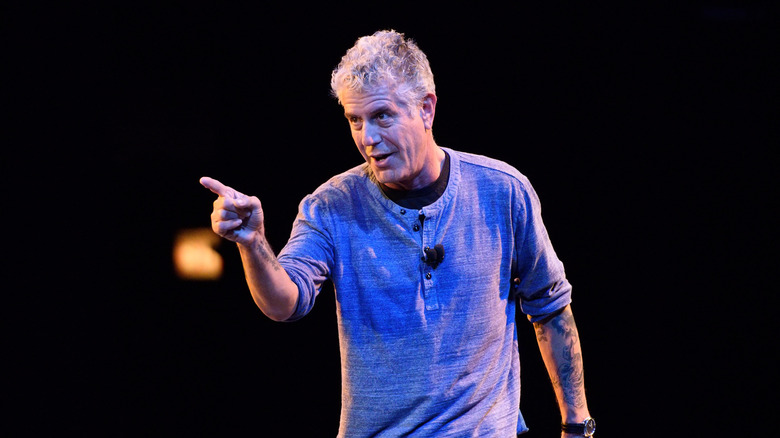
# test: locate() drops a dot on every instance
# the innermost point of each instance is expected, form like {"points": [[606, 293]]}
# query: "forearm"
{"points": [[559, 344], [272, 290]]}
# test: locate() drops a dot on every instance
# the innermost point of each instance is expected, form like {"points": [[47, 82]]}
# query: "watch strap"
{"points": [[573, 428]]}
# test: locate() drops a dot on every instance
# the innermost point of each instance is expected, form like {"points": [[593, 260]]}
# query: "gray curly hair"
{"points": [[385, 58]]}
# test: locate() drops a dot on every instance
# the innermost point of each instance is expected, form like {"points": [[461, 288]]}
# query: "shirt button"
{"points": [[416, 227], [428, 275], [403, 211]]}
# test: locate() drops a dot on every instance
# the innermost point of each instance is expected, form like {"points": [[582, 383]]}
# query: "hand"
{"points": [[236, 216]]}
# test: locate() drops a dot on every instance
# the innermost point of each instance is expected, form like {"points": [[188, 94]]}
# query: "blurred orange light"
{"points": [[194, 256]]}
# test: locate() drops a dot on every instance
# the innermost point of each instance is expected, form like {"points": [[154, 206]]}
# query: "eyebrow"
{"points": [[377, 110]]}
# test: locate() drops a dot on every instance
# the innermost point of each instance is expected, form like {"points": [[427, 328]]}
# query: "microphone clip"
{"points": [[434, 256]]}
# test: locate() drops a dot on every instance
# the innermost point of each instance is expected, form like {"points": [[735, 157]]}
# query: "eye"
{"points": [[383, 119]]}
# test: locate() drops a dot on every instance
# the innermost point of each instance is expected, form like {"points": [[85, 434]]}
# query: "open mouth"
{"points": [[379, 159]]}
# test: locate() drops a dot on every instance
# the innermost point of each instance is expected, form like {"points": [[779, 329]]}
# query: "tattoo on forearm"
{"points": [[572, 381], [267, 254], [570, 376], [541, 334]]}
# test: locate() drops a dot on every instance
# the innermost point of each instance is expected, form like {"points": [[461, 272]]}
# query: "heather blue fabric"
{"points": [[428, 352]]}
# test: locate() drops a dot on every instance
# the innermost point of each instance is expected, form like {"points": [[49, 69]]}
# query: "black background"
{"points": [[645, 131]]}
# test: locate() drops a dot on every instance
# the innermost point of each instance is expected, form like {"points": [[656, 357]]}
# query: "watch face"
{"points": [[590, 426]]}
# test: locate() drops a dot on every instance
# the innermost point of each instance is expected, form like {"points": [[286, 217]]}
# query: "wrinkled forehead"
{"points": [[377, 95], [350, 96]]}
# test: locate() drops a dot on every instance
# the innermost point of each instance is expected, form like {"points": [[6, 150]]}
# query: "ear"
{"points": [[428, 110]]}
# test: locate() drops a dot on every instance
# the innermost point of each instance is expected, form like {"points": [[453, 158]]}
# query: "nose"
{"points": [[370, 135]]}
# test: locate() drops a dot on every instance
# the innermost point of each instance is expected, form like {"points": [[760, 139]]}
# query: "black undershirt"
{"points": [[419, 198]]}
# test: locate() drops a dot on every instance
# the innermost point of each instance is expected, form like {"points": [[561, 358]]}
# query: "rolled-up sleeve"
{"points": [[541, 285], [307, 256]]}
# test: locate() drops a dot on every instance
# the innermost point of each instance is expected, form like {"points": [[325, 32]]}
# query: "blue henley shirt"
{"points": [[428, 351]]}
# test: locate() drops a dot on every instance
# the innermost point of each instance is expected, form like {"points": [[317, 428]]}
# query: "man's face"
{"points": [[391, 139]]}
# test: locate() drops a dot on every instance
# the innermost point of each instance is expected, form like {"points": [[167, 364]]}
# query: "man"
{"points": [[429, 250]]}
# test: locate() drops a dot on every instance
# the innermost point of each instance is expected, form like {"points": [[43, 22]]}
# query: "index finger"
{"points": [[216, 186]]}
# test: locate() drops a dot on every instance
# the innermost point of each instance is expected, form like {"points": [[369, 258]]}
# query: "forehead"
{"points": [[366, 101]]}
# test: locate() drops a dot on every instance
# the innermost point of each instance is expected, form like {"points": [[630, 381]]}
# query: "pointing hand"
{"points": [[236, 216]]}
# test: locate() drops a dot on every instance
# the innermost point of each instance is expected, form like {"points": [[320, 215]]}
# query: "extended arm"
{"points": [[239, 218], [559, 343]]}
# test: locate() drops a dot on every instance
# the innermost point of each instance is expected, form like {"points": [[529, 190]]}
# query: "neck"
{"points": [[434, 159]]}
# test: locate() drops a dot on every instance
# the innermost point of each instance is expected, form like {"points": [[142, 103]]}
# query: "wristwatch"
{"points": [[586, 428]]}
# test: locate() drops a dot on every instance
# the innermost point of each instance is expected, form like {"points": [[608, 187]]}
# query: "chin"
{"points": [[389, 177], [385, 179], [382, 175]]}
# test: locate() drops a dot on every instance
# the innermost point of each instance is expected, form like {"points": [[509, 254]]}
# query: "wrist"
{"points": [[252, 241], [575, 418], [575, 414]]}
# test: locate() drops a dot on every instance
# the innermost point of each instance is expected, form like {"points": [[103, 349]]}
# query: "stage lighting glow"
{"points": [[194, 256]]}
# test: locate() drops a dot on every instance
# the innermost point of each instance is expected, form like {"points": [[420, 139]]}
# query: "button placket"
{"points": [[429, 287]]}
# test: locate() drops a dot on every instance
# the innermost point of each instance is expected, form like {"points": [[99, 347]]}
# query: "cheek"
{"points": [[356, 139], [409, 149], [360, 146]]}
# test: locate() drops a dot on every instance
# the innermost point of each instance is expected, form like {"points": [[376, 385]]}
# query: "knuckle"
{"points": [[224, 229]]}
